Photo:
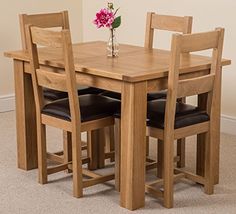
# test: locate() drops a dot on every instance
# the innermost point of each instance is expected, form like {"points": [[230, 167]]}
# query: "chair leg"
{"points": [[101, 148], [92, 143], [42, 153], [67, 150], [112, 142], [77, 164], [96, 149], [168, 173], [117, 154], [181, 144], [109, 139], [209, 164], [160, 156], [147, 146], [200, 166], [181, 152]]}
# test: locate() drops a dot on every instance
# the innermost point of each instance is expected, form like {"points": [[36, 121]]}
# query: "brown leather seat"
{"points": [[150, 96], [91, 107], [157, 95], [185, 115], [111, 94], [52, 95]]}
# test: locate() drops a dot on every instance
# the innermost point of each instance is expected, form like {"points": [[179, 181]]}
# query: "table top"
{"points": [[133, 64]]}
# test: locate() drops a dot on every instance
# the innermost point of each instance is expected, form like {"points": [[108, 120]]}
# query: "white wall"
{"points": [[207, 15], [10, 35]]}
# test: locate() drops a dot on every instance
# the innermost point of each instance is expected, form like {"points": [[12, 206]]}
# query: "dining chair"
{"points": [[155, 21], [74, 114], [170, 120], [51, 20], [54, 20], [180, 24]]}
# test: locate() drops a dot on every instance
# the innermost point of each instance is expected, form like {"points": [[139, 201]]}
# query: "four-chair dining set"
{"points": [[124, 102]]}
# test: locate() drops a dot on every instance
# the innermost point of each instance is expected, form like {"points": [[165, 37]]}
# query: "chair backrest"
{"points": [[194, 86], [46, 20], [169, 23], [65, 81]]}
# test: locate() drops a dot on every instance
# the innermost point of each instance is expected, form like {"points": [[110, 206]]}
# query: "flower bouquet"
{"points": [[106, 17]]}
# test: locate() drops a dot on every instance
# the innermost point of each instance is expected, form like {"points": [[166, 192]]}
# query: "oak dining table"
{"points": [[134, 73]]}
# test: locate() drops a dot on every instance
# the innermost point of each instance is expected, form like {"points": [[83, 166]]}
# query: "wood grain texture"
{"points": [[25, 105], [37, 37], [207, 84], [110, 141], [44, 20], [134, 63], [181, 24], [117, 153], [25, 124], [133, 143]]}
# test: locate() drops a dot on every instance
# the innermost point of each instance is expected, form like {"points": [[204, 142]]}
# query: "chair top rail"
{"points": [[44, 20], [172, 23], [199, 41]]}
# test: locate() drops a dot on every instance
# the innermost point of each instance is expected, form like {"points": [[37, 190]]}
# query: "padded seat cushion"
{"points": [[89, 90], [52, 95], [186, 115], [91, 107], [114, 95], [157, 95], [117, 95]]}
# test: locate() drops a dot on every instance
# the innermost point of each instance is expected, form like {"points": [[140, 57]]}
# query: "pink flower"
{"points": [[104, 18]]}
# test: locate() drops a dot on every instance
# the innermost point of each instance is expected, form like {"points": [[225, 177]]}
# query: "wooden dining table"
{"points": [[134, 73]]}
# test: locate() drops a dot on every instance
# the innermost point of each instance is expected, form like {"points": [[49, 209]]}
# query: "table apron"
{"points": [[84, 79], [153, 85]]}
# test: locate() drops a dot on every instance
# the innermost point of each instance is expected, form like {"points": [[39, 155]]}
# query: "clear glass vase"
{"points": [[112, 45]]}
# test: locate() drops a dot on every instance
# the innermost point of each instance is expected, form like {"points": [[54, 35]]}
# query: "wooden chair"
{"points": [[51, 20], [169, 120], [181, 24], [168, 23], [54, 20], [73, 114], [48, 20]]}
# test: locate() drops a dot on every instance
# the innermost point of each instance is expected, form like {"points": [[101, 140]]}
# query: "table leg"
{"points": [[217, 113], [25, 119], [133, 145]]}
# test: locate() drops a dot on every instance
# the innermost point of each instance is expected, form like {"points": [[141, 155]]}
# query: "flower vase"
{"points": [[112, 45]]}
